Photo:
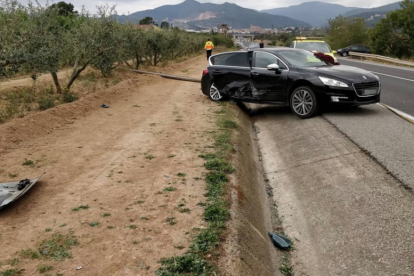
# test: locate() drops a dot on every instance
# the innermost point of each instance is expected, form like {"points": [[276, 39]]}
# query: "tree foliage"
{"points": [[345, 31], [146, 21], [42, 39], [394, 35]]}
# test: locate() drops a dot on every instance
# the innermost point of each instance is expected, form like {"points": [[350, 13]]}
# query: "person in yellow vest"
{"points": [[209, 48]]}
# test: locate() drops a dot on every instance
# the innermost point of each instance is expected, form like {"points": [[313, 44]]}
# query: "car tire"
{"points": [[215, 94], [344, 54], [303, 102]]}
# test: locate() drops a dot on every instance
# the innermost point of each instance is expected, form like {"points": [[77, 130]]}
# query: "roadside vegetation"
{"points": [[393, 36], [38, 39], [206, 245]]}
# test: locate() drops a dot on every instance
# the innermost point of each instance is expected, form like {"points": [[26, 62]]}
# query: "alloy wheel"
{"points": [[302, 102], [215, 94]]}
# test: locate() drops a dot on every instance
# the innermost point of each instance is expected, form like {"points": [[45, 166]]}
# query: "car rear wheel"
{"points": [[303, 102], [344, 54], [215, 94]]}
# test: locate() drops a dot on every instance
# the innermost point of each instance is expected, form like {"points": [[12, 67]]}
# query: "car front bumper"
{"points": [[348, 97]]}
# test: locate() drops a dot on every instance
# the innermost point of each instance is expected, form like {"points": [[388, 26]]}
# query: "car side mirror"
{"points": [[273, 67]]}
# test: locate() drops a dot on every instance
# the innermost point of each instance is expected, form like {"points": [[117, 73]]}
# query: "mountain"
{"points": [[205, 15], [315, 13], [378, 10], [374, 15]]}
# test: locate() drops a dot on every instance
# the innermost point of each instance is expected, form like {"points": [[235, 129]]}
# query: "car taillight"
{"points": [[205, 72]]}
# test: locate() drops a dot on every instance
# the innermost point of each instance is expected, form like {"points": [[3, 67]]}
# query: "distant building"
{"points": [[255, 29]]}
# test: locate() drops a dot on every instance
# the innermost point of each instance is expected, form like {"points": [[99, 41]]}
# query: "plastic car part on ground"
{"points": [[12, 191], [104, 106], [280, 241]]}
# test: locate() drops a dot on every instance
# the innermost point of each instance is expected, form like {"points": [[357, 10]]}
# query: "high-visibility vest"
{"points": [[209, 45]]}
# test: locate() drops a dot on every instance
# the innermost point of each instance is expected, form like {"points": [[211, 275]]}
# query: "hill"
{"points": [[378, 10], [315, 13], [191, 13]]}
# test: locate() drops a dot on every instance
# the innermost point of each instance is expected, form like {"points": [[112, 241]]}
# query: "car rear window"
{"points": [[230, 59], [320, 47]]}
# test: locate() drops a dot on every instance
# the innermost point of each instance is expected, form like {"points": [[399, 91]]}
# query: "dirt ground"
{"points": [[134, 164]]}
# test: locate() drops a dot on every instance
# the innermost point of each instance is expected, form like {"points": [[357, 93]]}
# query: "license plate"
{"points": [[370, 92]]}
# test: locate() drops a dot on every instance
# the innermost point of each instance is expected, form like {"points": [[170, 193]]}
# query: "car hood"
{"points": [[343, 73]]}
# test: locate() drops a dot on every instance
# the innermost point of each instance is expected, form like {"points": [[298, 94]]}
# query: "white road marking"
{"points": [[377, 64], [399, 113], [392, 76]]}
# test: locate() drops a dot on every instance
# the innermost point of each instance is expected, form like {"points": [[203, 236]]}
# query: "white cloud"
{"points": [[131, 6]]}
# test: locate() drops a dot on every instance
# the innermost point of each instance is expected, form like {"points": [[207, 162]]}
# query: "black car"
{"points": [[354, 48], [292, 77]]}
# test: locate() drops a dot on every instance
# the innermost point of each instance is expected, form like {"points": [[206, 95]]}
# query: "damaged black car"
{"points": [[297, 78]]}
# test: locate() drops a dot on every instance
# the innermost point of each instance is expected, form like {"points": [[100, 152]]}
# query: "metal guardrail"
{"points": [[393, 60]]}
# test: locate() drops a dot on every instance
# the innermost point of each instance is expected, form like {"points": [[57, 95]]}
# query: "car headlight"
{"points": [[332, 82]]}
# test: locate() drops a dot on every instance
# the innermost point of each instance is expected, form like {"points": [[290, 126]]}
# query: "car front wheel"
{"points": [[303, 102], [215, 94], [344, 54]]}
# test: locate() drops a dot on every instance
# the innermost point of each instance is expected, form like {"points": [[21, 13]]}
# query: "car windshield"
{"points": [[301, 58], [320, 47]]}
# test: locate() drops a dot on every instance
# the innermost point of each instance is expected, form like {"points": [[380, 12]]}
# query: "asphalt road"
{"points": [[397, 83], [345, 212]]}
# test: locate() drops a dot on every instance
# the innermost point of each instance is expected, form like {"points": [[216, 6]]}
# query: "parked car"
{"points": [[313, 44], [291, 77], [354, 48]]}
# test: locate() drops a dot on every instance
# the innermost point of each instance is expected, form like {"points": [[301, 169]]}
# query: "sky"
{"points": [[131, 6]]}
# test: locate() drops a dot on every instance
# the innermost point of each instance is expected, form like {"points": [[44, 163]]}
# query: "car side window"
{"points": [[262, 60], [354, 48], [231, 59]]}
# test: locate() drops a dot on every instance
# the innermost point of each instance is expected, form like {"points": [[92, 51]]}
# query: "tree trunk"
{"points": [[56, 82], [76, 74]]}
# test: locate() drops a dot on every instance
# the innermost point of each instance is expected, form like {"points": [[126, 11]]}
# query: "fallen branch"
{"points": [[174, 77]]}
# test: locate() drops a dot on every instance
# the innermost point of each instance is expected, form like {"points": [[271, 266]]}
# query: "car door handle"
{"points": [[216, 72], [255, 74]]}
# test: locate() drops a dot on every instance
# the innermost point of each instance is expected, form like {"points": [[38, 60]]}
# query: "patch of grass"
{"points": [[178, 120], [171, 220], [63, 225], [143, 218], [180, 247], [285, 267], [207, 241], [93, 224], [110, 227], [139, 202], [13, 175], [181, 174], [136, 105], [132, 226], [46, 102], [149, 156], [43, 268], [181, 205], [227, 123], [58, 247], [48, 229], [218, 164], [29, 254], [11, 272], [135, 242], [106, 215], [83, 207], [14, 261], [69, 97], [185, 210], [28, 162], [171, 156], [170, 189]]}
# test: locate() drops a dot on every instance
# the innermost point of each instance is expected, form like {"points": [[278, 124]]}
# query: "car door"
{"points": [[268, 85], [231, 73]]}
